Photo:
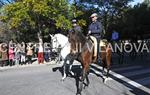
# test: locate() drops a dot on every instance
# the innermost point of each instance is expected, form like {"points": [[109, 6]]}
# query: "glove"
{"points": [[89, 32]]}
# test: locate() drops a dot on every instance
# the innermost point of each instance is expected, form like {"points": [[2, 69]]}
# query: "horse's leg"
{"points": [[108, 62], [64, 67], [70, 66], [108, 68], [64, 70], [87, 79], [82, 81], [103, 69], [79, 88], [83, 76]]}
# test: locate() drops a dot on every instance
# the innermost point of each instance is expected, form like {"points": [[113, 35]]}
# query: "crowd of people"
{"points": [[22, 53]]}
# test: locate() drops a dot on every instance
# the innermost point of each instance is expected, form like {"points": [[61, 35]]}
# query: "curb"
{"points": [[35, 64]]}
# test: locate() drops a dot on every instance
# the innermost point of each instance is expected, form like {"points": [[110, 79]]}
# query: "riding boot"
{"points": [[98, 58], [98, 51]]}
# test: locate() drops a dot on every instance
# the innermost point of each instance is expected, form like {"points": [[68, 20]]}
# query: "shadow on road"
{"points": [[77, 73]]}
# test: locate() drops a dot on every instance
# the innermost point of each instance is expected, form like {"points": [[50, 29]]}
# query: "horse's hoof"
{"points": [[63, 79], [103, 79], [106, 79], [78, 93], [85, 86]]}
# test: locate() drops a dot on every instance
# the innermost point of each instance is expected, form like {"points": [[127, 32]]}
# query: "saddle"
{"points": [[102, 44]]}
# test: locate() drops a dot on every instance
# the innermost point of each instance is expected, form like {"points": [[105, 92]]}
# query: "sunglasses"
{"points": [[93, 17]]}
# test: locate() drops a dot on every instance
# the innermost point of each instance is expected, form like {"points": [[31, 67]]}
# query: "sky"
{"points": [[136, 2], [132, 3]]}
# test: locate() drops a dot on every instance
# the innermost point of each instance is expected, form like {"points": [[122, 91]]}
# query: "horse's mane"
{"points": [[60, 35], [80, 37]]}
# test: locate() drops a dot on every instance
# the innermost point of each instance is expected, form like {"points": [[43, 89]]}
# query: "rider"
{"points": [[77, 28], [95, 29]]}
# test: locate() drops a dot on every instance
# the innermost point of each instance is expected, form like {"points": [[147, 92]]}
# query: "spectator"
{"points": [[4, 55], [22, 53], [40, 53], [0, 52], [11, 52], [17, 54], [29, 53], [11, 56], [47, 52]]}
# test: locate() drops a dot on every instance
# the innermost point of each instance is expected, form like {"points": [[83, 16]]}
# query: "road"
{"points": [[46, 80]]}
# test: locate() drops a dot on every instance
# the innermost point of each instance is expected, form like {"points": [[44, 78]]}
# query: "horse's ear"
{"points": [[51, 35], [73, 31]]}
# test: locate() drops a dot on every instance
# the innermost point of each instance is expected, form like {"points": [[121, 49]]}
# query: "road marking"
{"points": [[127, 80]]}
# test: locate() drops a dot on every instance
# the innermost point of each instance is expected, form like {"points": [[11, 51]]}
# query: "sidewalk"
{"points": [[34, 64]]}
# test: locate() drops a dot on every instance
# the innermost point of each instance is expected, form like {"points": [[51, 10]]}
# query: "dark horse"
{"points": [[82, 50]]}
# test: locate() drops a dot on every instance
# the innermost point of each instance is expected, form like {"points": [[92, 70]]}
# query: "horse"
{"points": [[85, 56]]}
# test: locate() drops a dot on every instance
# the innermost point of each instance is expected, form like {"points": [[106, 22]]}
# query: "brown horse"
{"points": [[84, 54], [105, 55]]}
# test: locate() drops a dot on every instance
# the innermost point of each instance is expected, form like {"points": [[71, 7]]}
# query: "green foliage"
{"points": [[36, 13], [61, 22], [137, 20], [49, 16], [34, 16]]}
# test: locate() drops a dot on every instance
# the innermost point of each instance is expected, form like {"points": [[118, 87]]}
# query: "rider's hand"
{"points": [[89, 32]]}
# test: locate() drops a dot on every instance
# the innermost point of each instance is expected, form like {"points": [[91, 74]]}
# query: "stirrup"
{"points": [[99, 60]]}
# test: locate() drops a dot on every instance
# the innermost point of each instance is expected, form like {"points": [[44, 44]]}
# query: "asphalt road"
{"points": [[46, 80]]}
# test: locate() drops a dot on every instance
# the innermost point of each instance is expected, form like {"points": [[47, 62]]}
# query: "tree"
{"points": [[111, 12], [135, 22], [147, 2], [38, 16]]}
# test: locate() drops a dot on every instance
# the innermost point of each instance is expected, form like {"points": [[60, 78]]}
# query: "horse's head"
{"points": [[71, 35], [54, 42], [77, 37], [58, 41], [77, 41]]}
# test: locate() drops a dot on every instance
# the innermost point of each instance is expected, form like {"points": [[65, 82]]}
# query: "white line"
{"points": [[135, 84], [97, 72], [127, 68]]}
